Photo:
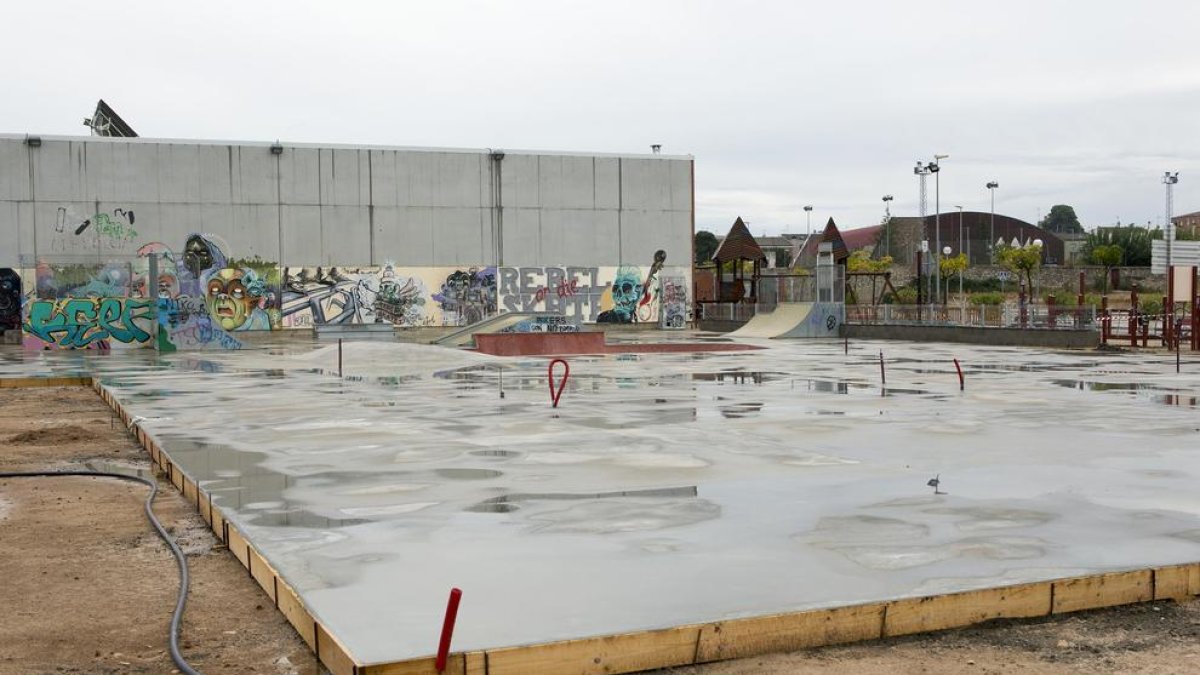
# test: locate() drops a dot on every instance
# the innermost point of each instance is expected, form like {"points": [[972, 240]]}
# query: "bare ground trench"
{"points": [[86, 586]]}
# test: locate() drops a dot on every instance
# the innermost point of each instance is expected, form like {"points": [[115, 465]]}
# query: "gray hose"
{"points": [[177, 617]]}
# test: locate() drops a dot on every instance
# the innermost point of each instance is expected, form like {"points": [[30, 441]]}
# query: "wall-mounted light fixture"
{"points": [[33, 141], [276, 148], [656, 148]]}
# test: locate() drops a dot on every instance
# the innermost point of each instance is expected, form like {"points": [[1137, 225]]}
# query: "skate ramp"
{"points": [[795, 320], [786, 316]]}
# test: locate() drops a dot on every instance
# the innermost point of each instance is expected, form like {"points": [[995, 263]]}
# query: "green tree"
{"points": [[706, 245], [1134, 242], [953, 265], [1021, 260], [1061, 219], [861, 261], [1109, 256]]}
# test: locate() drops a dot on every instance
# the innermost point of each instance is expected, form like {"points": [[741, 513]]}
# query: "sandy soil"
{"points": [[87, 585]]}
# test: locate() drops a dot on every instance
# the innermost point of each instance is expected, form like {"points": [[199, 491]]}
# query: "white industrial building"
{"points": [[310, 219]]}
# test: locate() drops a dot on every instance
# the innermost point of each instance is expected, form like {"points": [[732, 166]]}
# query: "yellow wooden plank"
{"points": [[177, 477], [288, 602], [1194, 579], [455, 665], [939, 612], [218, 523], [1172, 583], [205, 506], [740, 638], [262, 572], [475, 663], [238, 546], [1102, 590], [593, 656], [333, 654], [189, 490]]}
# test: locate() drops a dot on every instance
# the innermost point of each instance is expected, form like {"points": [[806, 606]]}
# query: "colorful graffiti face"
{"points": [[197, 256], [626, 292], [231, 298]]}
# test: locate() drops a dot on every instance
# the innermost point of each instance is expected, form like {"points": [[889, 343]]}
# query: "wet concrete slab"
{"points": [[670, 488]]}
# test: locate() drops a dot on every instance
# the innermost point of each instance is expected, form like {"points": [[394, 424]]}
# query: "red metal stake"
{"points": [[961, 384], [448, 629], [555, 395]]}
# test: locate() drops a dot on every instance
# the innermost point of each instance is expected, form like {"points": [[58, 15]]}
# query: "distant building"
{"points": [[1187, 224]]}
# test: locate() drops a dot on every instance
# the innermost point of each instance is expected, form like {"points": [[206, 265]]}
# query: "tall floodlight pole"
{"points": [[935, 166], [887, 224], [921, 172], [1170, 179], [961, 250], [991, 186], [808, 222]]}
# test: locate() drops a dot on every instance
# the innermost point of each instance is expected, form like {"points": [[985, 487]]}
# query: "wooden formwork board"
{"points": [[31, 382], [693, 643]]}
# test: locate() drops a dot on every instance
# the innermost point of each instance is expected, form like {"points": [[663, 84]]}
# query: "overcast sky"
{"points": [[782, 103]]}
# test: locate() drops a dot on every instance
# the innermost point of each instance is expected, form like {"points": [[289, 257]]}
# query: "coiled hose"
{"points": [[177, 616]]}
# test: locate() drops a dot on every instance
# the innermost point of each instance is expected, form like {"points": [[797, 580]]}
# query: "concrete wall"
{"points": [[343, 206], [314, 235]]}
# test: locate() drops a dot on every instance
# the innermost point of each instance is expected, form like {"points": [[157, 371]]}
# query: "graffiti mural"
{"points": [[467, 296], [105, 230], [544, 324], [571, 291], [674, 302], [353, 296], [203, 296], [89, 280], [88, 323], [10, 300]]}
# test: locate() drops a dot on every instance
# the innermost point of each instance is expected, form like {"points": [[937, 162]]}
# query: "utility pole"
{"points": [[921, 171], [1170, 179], [991, 186]]}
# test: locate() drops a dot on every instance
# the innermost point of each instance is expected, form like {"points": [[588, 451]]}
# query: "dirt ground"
{"points": [[88, 588]]}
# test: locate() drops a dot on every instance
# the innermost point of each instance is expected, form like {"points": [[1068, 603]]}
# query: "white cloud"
{"points": [[782, 103]]}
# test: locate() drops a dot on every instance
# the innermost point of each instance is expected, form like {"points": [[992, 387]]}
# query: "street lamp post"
{"points": [[1169, 179], [936, 167], [946, 251], [960, 251], [887, 224], [991, 186]]}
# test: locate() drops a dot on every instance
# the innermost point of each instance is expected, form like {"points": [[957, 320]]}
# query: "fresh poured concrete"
{"points": [[671, 489]]}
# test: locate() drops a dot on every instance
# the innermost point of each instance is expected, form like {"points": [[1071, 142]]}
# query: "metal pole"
{"points": [[961, 251], [937, 222]]}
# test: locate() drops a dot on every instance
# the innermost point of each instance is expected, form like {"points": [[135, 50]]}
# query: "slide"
{"points": [[795, 320]]}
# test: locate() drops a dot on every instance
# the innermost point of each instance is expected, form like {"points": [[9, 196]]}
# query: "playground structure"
{"points": [[1177, 325]]}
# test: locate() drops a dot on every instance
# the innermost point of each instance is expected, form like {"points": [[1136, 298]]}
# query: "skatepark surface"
{"points": [[667, 488]]}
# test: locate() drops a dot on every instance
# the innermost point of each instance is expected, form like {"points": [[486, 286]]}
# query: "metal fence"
{"points": [[980, 316]]}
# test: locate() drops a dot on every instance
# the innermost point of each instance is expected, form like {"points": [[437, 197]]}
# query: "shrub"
{"points": [[987, 298], [906, 296]]}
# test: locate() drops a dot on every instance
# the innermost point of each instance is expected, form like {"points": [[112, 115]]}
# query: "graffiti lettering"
{"points": [[570, 291], [76, 323]]}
